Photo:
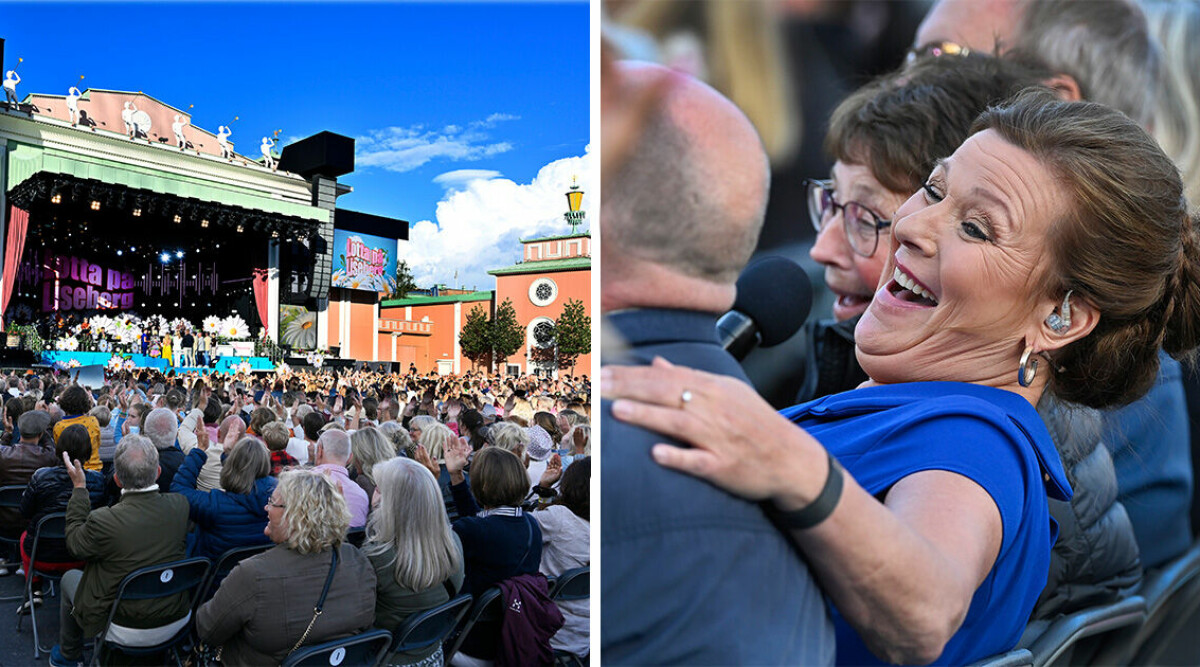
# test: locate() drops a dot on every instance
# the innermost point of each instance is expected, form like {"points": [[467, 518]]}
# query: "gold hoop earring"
{"points": [[1028, 368]]}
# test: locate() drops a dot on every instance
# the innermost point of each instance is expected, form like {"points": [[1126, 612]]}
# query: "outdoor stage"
{"points": [[223, 364]]}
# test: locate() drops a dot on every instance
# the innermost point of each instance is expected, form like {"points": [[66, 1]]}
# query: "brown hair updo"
{"points": [[1128, 244]]}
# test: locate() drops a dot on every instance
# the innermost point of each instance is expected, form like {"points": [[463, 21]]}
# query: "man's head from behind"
{"points": [[135, 464], [1100, 50], [333, 447], [161, 426], [689, 200]]}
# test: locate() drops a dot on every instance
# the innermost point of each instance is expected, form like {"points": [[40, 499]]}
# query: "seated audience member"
{"points": [[310, 426], [399, 438], [75, 402], [550, 424], [130, 423], [435, 439], [368, 448], [470, 426], [162, 427], [259, 418], [233, 515], [417, 558], [263, 611], [18, 462], [297, 446], [417, 424], [331, 458], [275, 435], [578, 443], [108, 445], [1056, 233], [537, 452], [13, 408], [566, 527], [499, 539], [144, 528], [48, 492]]}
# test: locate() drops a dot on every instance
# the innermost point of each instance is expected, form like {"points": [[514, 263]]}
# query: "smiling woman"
{"points": [[1053, 251]]}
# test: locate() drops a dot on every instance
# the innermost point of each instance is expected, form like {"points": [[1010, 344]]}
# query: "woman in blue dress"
{"points": [[1052, 253]]}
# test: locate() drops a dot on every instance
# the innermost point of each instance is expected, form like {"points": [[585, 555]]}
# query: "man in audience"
{"points": [[18, 462], [162, 427], [145, 528], [681, 216], [1103, 52], [331, 456]]}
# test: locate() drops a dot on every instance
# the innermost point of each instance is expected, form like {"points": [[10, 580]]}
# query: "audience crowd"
{"points": [[374, 496]]}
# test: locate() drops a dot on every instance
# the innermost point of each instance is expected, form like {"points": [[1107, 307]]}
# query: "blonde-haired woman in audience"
{"points": [[368, 448], [264, 609], [435, 439], [578, 443], [417, 558], [398, 436]]}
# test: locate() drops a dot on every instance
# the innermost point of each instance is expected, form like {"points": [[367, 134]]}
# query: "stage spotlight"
{"points": [[177, 218], [132, 249], [179, 254], [241, 229], [95, 205], [204, 223], [274, 235], [137, 212], [56, 199], [120, 252], [165, 258]]}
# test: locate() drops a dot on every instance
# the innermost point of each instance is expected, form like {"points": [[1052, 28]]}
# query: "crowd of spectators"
{"points": [[384, 495]]}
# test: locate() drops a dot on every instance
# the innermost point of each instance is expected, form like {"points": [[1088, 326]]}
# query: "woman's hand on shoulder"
{"points": [[738, 441]]}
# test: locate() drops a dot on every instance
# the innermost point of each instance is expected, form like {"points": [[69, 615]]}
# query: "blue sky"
{"points": [[450, 104]]}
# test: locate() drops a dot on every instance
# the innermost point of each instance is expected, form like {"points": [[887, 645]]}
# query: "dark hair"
{"points": [[371, 407], [1127, 245], [498, 478], [899, 125], [260, 418], [576, 487], [13, 408], [212, 410], [312, 424], [76, 442], [75, 401]]}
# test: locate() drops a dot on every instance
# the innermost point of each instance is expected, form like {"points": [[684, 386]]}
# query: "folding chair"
{"points": [[362, 650], [1172, 598], [51, 526], [430, 627], [1075, 638], [10, 498], [149, 583], [1018, 657], [223, 567], [572, 585], [485, 610]]}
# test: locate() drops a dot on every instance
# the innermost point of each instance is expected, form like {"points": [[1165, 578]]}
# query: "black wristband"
{"points": [[821, 506]]}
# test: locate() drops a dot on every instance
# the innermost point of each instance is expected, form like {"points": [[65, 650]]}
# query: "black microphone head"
{"points": [[777, 294]]}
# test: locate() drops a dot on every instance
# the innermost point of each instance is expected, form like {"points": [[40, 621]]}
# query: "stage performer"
{"points": [[202, 350], [187, 354], [73, 96], [166, 349], [145, 342]]}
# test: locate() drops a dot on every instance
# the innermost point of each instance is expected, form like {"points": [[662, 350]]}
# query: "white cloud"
{"points": [[479, 226], [456, 179], [406, 148]]}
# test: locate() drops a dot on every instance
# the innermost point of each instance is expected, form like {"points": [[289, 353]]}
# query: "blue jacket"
{"points": [[223, 520]]}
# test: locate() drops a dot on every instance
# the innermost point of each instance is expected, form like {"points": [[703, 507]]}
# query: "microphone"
{"points": [[774, 297]]}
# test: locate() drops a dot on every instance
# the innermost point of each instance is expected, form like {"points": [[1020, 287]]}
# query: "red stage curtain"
{"points": [[260, 294], [14, 247]]}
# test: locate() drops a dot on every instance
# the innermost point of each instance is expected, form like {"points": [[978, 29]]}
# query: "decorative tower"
{"points": [[574, 200]]}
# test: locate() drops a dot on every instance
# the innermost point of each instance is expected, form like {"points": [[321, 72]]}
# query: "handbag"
{"points": [[320, 603]]}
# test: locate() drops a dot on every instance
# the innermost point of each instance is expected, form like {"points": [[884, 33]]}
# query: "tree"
{"points": [[475, 339], [405, 282], [573, 333], [507, 334]]}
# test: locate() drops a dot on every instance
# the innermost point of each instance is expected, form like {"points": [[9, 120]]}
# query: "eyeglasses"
{"points": [[860, 223], [936, 50], [277, 505]]}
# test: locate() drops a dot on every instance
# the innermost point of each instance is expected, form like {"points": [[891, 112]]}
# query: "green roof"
{"points": [[428, 300], [556, 238], [569, 264]]}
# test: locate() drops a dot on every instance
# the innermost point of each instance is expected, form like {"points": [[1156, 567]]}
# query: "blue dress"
{"points": [[883, 434]]}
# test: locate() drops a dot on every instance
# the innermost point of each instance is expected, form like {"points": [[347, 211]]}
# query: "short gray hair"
{"points": [[136, 462], [1105, 45], [162, 427], [508, 436], [336, 444], [370, 448]]}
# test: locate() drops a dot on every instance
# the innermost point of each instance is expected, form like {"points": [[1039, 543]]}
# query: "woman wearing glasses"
{"points": [[885, 139]]}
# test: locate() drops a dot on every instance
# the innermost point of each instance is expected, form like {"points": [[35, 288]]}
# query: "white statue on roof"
{"points": [[223, 134], [127, 118], [73, 96], [11, 79], [177, 128], [268, 159]]}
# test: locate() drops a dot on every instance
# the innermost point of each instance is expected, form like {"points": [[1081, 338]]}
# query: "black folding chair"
{"points": [[362, 650], [356, 536], [223, 567], [10, 499], [1076, 638], [573, 584], [1173, 599], [52, 526], [1018, 657], [430, 627], [485, 610], [149, 583]]}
